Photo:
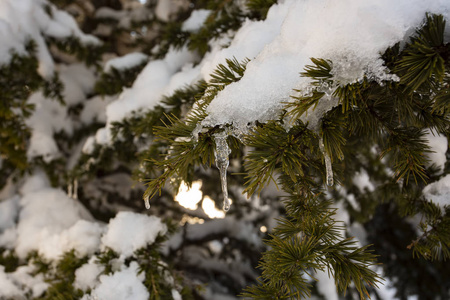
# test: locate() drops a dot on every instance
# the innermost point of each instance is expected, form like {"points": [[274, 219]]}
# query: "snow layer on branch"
{"points": [[158, 78], [438, 145], [94, 109], [125, 62], [149, 86], [439, 192], [52, 223], [25, 278], [8, 290], [352, 33], [196, 20], [27, 19], [239, 229], [8, 213], [166, 8], [86, 277], [326, 285], [50, 116], [129, 231], [109, 13], [46, 220], [123, 285]]}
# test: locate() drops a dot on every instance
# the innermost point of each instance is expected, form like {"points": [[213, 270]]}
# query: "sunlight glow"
{"points": [[189, 198], [211, 210]]}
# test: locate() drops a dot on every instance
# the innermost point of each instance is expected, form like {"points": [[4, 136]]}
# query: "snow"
{"points": [[38, 217], [164, 9], [8, 290], [250, 40], [8, 212], [123, 285], [86, 277], [20, 20], [94, 109], [34, 182], [385, 290], [49, 223], [129, 231], [109, 13], [326, 285], [176, 295], [149, 86], [50, 116], [196, 20], [439, 191], [351, 33], [438, 145], [239, 229], [362, 181], [188, 75], [62, 25], [13, 284], [78, 81], [24, 278], [125, 62], [45, 219]]}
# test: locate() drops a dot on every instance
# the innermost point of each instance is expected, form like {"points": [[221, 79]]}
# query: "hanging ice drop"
{"points": [[328, 166], [146, 201], [222, 161]]}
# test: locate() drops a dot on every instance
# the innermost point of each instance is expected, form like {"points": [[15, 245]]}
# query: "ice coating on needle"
{"points": [[147, 202], [328, 166], [222, 161]]}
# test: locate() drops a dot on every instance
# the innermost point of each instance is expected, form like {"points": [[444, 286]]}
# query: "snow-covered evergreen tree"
{"points": [[175, 149]]}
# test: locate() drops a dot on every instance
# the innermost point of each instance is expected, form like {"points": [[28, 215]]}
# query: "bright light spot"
{"points": [[211, 210], [143, 1], [263, 228], [191, 220], [189, 198], [215, 246]]}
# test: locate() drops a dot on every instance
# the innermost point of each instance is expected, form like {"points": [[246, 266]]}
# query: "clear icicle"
{"points": [[147, 202], [75, 189], [72, 189], [69, 190], [222, 161], [328, 166]]}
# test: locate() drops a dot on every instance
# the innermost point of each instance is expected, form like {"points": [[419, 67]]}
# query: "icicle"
{"points": [[221, 155], [328, 166], [75, 189], [69, 190], [147, 202], [72, 189]]}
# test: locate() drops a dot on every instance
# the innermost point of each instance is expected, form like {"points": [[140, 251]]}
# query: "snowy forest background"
{"points": [[98, 99]]}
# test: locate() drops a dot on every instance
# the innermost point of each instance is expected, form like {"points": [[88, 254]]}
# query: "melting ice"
{"points": [[328, 166], [222, 161]]}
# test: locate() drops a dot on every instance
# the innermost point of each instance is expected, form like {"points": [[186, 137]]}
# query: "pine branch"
{"points": [[185, 150], [423, 61]]}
